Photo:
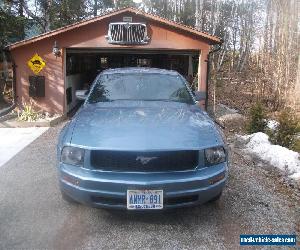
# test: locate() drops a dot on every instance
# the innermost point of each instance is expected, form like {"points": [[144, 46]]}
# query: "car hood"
{"points": [[143, 126]]}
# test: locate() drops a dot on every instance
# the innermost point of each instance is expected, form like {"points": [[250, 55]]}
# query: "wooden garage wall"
{"points": [[93, 36]]}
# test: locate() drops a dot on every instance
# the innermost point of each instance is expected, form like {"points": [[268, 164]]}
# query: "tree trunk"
{"points": [[21, 14], [95, 7], [296, 94]]}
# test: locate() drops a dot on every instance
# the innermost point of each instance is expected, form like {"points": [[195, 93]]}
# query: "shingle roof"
{"points": [[204, 35]]}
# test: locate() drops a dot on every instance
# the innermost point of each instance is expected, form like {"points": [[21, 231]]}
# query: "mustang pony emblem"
{"points": [[144, 160]]}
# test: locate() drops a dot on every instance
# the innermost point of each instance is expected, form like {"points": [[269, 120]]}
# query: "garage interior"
{"points": [[83, 65]]}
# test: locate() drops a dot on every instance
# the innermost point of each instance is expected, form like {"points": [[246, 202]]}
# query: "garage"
{"points": [[82, 66], [52, 66]]}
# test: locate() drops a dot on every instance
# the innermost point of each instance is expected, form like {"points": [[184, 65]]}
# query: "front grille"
{"points": [[161, 161], [127, 33]]}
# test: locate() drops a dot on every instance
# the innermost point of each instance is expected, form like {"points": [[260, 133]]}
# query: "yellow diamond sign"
{"points": [[36, 64]]}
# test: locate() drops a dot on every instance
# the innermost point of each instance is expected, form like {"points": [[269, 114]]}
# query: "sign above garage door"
{"points": [[126, 33]]}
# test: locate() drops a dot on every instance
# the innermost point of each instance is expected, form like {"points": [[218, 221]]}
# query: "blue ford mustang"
{"points": [[140, 141]]}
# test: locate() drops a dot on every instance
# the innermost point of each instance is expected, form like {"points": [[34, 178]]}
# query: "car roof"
{"points": [[135, 70]]}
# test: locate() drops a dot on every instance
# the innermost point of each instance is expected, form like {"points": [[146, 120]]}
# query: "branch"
{"points": [[33, 16]]}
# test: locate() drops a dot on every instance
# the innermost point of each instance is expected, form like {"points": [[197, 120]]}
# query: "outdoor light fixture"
{"points": [[56, 50]]}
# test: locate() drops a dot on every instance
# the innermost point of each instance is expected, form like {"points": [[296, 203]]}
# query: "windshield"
{"points": [[140, 86]]}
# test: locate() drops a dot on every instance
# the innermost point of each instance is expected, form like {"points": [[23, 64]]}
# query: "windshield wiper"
{"points": [[145, 100], [150, 100], [93, 102]]}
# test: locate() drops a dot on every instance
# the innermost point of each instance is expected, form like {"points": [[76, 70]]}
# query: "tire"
{"points": [[216, 198], [68, 198]]}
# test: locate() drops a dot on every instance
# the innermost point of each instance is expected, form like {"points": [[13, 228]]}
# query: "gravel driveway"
{"points": [[33, 215]]}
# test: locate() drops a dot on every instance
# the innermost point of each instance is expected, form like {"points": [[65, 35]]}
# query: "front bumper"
{"points": [[109, 189]]}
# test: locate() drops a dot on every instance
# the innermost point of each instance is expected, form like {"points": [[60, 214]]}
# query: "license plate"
{"points": [[144, 199]]}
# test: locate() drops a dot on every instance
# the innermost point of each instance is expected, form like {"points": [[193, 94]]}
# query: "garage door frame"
{"points": [[138, 51]]}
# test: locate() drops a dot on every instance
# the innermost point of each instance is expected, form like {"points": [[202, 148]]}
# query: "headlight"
{"points": [[215, 155], [72, 155]]}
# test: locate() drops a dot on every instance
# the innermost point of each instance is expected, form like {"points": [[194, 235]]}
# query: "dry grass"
{"points": [[296, 147]]}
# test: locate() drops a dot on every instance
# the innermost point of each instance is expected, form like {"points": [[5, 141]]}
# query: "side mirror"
{"points": [[81, 94], [200, 96]]}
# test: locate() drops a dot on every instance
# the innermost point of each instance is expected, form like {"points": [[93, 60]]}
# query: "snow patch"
{"points": [[227, 109], [13, 140], [230, 117], [272, 124], [278, 156]]}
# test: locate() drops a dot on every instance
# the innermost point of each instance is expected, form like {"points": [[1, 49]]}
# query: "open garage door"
{"points": [[83, 65]]}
